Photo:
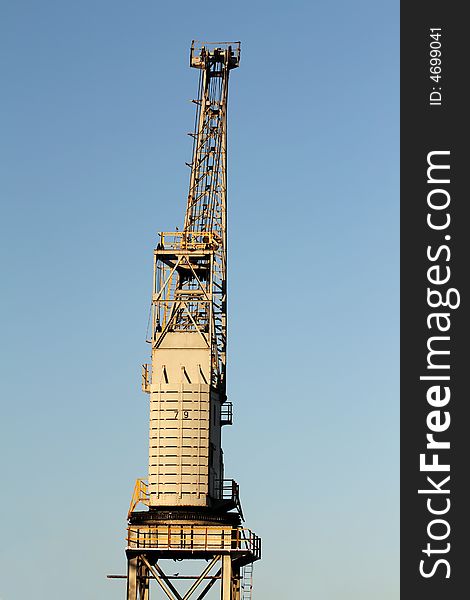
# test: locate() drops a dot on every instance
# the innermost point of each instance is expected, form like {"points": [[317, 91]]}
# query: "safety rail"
{"points": [[226, 413], [146, 377], [188, 240], [194, 538], [230, 490], [140, 494]]}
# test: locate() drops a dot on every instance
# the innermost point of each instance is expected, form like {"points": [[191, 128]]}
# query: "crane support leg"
{"points": [[236, 583], [226, 578], [144, 583], [132, 578]]}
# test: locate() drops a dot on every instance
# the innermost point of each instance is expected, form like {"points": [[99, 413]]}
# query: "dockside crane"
{"points": [[192, 511]]}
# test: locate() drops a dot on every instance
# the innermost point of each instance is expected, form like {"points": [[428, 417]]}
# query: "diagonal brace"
{"points": [[195, 585], [209, 585], [163, 581]]}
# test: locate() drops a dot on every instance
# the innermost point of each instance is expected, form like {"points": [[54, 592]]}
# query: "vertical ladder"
{"points": [[247, 582]]}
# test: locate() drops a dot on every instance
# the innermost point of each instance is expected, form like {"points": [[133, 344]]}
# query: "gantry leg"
{"points": [[235, 583], [143, 579], [226, 583], [132, 578]]}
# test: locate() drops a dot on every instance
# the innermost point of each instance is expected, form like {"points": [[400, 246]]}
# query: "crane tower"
{"points": [[193, 512]]}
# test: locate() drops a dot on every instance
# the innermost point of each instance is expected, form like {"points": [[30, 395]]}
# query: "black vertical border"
{"points": [[423, 129]]}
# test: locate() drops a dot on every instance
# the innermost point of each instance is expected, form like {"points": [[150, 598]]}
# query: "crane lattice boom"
{"points": [[191, 293]]}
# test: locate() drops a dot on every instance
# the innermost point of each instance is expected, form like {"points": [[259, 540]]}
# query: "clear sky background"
{"points": [[94, 114]]}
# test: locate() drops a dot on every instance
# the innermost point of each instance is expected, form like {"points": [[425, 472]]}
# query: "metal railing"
{"points": [[188, 240], [229, 490], [140, 494], [146, 377], [193, 538], [226, 413]]}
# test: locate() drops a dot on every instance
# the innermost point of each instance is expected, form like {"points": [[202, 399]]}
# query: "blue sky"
{"points": [[95, 111]]}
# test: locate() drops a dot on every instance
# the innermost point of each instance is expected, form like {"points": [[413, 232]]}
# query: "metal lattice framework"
{"points": [[190, 272]]}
